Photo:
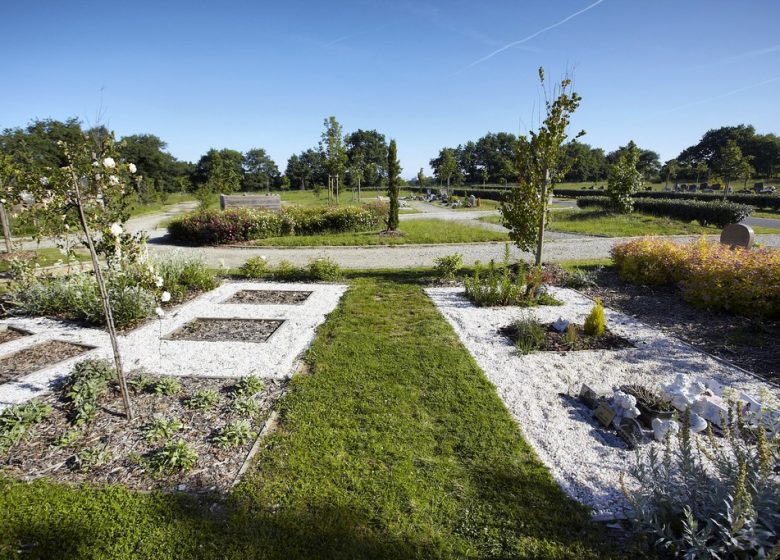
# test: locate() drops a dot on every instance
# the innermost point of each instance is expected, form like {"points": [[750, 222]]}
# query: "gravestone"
{"points": [[270, 202], [738, 235]]}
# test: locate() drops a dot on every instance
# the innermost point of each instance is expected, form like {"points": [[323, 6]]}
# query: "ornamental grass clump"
{"points": [[528, 334], [710, 275], [712, 498], [595, 323]]}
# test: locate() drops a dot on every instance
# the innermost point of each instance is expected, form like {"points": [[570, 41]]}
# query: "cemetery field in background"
{"points": [[391, 444], [415, 232], [599, 222]]}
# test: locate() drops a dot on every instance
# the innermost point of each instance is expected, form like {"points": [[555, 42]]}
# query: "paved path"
{"points": [[404, 256]]}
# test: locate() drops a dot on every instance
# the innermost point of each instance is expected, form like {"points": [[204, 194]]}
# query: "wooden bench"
{"points": [[271, 202]]}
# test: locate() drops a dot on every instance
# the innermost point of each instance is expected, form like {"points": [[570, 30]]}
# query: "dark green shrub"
{"points": [[717, 213], [760, 201]]}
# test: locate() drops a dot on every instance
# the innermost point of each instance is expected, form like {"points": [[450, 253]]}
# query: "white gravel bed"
{"points": [[539, 389], [144, 347]]}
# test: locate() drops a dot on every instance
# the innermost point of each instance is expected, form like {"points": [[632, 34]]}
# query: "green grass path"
{"points": [[394, 445]]}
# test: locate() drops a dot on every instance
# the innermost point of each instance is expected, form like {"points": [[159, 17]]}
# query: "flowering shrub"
{"points": [[235, 225], [710, 275]]}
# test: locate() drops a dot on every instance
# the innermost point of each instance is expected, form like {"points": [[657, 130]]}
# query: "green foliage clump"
{"points": [[162, 428], [595, 323], [67, 438], [184, 275], [89, 458], [287, 271], [624, 179], [325, 269], [248, 386], [447, 267], [254, 267], [17, 421], [234, 434], [528, 333], [724, 506], [167, 386], [245, 406], [202, 400], [84, 386], [174, 456], [141, 383], [767, 201]]}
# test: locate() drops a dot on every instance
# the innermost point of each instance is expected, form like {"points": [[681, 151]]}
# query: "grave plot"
{"points": [[38, 357], [269, 297], [227, 330], [207, 425], [7, 334], [581, 443]]}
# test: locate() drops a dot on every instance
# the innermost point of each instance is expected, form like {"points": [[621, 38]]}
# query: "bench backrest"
{"points": [[272, 202]]}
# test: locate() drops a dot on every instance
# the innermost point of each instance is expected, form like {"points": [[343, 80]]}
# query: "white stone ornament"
{"points": [[697, 423], [663, 427], [561, 324]]}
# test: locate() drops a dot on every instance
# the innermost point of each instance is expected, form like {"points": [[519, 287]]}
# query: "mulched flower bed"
{"points": [[128, 449], [38, 357], [557, 342], [227, 330], [10, 333], [748, 343], [269, 297]]}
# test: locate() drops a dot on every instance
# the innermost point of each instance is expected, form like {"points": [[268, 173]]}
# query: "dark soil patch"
{"points": [[227, 330], [129, 450], [8, 334], [749, 343], [269, 297], [38, 357], [558, 342]]}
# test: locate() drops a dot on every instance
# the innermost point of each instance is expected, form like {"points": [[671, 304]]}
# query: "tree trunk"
{"points": [[543, 217], [6, 227], [106, 305]]}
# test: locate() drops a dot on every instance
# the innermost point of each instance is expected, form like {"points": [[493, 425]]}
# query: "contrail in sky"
{"points": [[721, 96], [526, 39], [751, 54]]}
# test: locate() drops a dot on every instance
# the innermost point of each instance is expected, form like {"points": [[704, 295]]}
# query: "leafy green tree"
{"points": [[393, 188], [669, 170], [368, 150], [649, 163], [445, 166], [624, 179], [541, 161], [729, 163], [154, 163], [584, 162], [421, 179], [40, 144], [260, 171], [219, 171], [335, 152], [8, 176]]}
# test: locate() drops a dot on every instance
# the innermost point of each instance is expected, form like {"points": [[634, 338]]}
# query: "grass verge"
{"points": [[417, 231], [389, 448], [44, 257]]}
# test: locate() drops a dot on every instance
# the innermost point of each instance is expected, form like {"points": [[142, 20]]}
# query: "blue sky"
{"points": [[265, 74]]}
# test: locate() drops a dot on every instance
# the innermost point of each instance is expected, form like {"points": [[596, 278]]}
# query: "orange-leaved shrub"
{"points": [[710, 275]]}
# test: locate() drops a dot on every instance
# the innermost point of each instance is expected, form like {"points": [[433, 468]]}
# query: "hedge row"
{"points": [[236, 225], [483, 194], [717, 213], [711, 275], [768, 201]]}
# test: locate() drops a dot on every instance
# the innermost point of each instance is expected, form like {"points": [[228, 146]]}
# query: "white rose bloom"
{"points": [[132, 168], [113, 179], [166, 297], [109, 163], [264, 258], [158, 281], [2, 201], [116, 229], [160, 312], [44, 181]]}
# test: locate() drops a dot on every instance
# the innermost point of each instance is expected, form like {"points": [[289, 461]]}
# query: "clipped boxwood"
{"points": [[717, 213], [236, 225], [760, 201]]}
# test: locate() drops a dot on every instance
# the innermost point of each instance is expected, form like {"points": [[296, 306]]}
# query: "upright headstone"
{"points": [[738, 235]]}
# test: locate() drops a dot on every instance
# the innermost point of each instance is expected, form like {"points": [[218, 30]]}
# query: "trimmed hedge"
{"points": [[767, 201], [717, 213], [236, 225], [483, 194]]}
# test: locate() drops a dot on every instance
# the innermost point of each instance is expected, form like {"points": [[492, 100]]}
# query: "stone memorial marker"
{"points": [[604, 414], [738, 235], [588, 396], [631, 432], [270, 202]]}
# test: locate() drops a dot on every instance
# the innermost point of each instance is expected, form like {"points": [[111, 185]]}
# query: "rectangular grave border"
{"points": [[170, 336], [10, 357], [21, 332], [235, 294]]}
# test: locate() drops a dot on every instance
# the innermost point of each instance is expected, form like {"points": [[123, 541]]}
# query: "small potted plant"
{"points": [[650, 404]]}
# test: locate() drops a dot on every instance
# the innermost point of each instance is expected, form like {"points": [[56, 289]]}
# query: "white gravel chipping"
{"points": [[538, 388], [144, 348]]}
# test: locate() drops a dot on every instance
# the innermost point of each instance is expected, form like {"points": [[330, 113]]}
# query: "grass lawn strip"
{"points": [[539, 389], [394, 446]]}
